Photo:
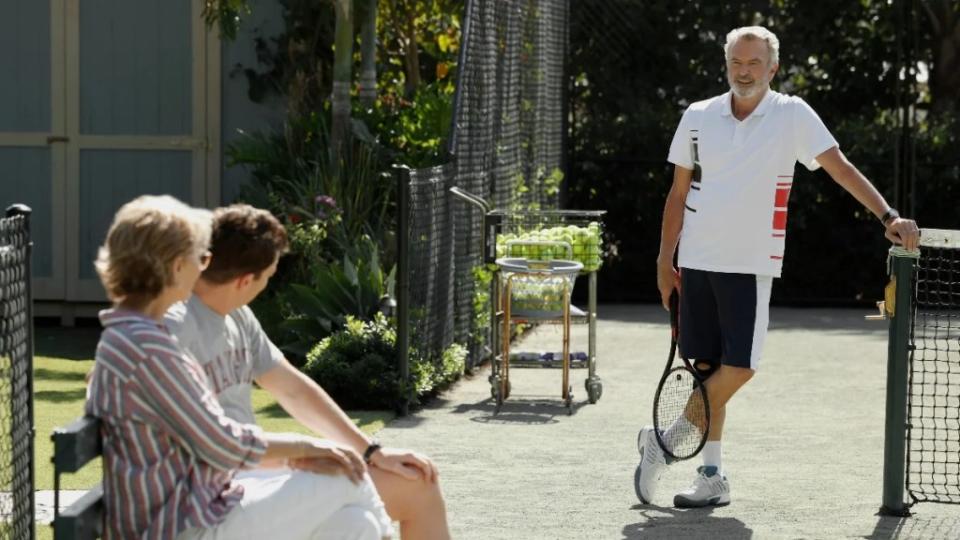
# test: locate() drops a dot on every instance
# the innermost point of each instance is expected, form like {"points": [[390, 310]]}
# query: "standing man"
{"points": [[730, 223], [216, 327]]}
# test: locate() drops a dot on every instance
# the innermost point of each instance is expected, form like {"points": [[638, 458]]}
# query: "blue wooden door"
{"points": [[136, 117], [102, 101], [32, 151]]}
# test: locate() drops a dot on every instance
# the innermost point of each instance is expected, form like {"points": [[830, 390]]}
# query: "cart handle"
{"points": [[471, 198], [566, 245]]}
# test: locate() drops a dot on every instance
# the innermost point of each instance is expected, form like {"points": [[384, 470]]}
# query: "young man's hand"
{"points": [[668, 279], [406, 463], [903, 232]]}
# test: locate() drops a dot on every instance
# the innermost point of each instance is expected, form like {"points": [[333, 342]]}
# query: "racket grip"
{"points": [[674, 311]]}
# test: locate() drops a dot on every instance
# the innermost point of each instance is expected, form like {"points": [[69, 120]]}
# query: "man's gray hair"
{"points": [[754, 32]]}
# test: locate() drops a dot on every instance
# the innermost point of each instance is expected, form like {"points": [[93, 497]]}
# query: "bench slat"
{"points": [[77, 444], [83, 518]]}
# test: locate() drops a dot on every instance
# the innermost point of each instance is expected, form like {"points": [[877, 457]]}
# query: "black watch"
{"points": [[368, 453], [890, 214]]}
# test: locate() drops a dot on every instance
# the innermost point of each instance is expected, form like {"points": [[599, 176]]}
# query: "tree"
{"points": [[368, 55], [342, 76], [944, 24], [635, 66], [414, 31]]}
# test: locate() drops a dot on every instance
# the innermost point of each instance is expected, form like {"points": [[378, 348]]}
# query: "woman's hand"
{"points": [[327, 457]]}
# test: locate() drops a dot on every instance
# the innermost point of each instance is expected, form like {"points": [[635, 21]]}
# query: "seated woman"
{"points": [[170, 453]]}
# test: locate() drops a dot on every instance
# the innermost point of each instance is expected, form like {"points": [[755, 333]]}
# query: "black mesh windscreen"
{"points": [[507, 147], [431, 270], [16, 365]]}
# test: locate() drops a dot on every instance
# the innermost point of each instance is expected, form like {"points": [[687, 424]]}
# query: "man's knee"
{"points": [[738, 375], [408, 499], [705, 368]]}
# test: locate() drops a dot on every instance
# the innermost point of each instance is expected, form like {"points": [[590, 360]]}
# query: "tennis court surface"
{"points": [[803, 441]]}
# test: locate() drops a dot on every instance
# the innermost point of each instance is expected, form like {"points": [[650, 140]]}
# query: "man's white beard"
{"points": [[756, 88]]}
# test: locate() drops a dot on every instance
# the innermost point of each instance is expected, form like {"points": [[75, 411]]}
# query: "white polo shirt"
{"points": [[736, 217]]}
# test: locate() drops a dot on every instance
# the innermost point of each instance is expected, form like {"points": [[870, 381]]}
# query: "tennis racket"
{"points": [[681, 412]]}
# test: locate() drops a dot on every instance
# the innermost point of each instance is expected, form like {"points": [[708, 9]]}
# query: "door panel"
{"points": [[102, 100], [135, 78], [31, 111], [26, 63], [136, 82], [110, 178], [26, 179]]}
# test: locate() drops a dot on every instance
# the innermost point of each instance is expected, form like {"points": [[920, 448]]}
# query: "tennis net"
{"points": [[933, 390]]}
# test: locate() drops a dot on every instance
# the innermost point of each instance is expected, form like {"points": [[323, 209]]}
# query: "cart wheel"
{"points": [[594, 389], [495, 388], [569, 401], [497, 398]]}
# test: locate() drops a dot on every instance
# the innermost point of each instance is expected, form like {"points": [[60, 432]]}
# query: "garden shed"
{"points": [[108, 100]]}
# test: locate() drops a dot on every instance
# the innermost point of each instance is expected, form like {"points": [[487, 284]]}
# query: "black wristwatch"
{"points": [[890, 214], [368, 453]]}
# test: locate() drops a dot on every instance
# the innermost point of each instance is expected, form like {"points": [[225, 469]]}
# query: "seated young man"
{"points": [[218, 329], [170, 454]]}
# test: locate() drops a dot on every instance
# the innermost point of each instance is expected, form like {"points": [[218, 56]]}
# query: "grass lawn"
{"points": [[64, 356]]}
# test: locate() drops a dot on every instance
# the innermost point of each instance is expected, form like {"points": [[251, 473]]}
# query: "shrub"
{"points": [[357, 366]]}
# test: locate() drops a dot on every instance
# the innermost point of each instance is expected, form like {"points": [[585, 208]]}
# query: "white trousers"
{"points": [[299, 505]]}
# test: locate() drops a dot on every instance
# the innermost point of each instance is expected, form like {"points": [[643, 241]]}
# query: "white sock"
{"points": [[712, 454], [681, 427]]}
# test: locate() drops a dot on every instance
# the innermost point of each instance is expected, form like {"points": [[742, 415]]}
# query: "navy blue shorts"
{"points": [[723, 317]]}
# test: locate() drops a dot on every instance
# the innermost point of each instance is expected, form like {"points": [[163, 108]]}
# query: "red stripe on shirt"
{"points": [[783, 195], [779, 220]]}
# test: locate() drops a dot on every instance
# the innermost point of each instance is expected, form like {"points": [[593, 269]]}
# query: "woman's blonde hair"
{"points": [[148, 234]]}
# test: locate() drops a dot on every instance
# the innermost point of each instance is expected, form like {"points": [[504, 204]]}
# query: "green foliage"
{"points": [[636, 66], [225, 14], [415, 131], [452, 363], [357, 366], [350, 288], [482, 277], [292, 170], [418, 43], [337, 218]]}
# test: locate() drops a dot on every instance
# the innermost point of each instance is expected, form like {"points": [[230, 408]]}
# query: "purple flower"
{"points": [[325, 205]]}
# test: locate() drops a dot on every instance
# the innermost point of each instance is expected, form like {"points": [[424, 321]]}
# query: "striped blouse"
{"points": [[170, 453]]}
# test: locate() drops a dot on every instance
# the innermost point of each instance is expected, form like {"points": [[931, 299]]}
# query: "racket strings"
{"points": [[681, 414]]}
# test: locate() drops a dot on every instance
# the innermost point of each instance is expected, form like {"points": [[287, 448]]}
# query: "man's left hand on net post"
{"points": [[903, 232]]}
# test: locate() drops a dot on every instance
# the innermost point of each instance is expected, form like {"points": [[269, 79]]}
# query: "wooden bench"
{"points": [[73, 447]]}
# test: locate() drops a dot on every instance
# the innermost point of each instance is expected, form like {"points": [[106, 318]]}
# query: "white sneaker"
{"points": [[652, 463], [709, 489]]}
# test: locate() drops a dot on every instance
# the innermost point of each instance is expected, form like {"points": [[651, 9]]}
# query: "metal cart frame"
{"points": [[493, 222]]}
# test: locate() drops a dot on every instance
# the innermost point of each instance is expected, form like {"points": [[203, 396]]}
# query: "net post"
{"points": [[402, 175], [895, 430]]}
